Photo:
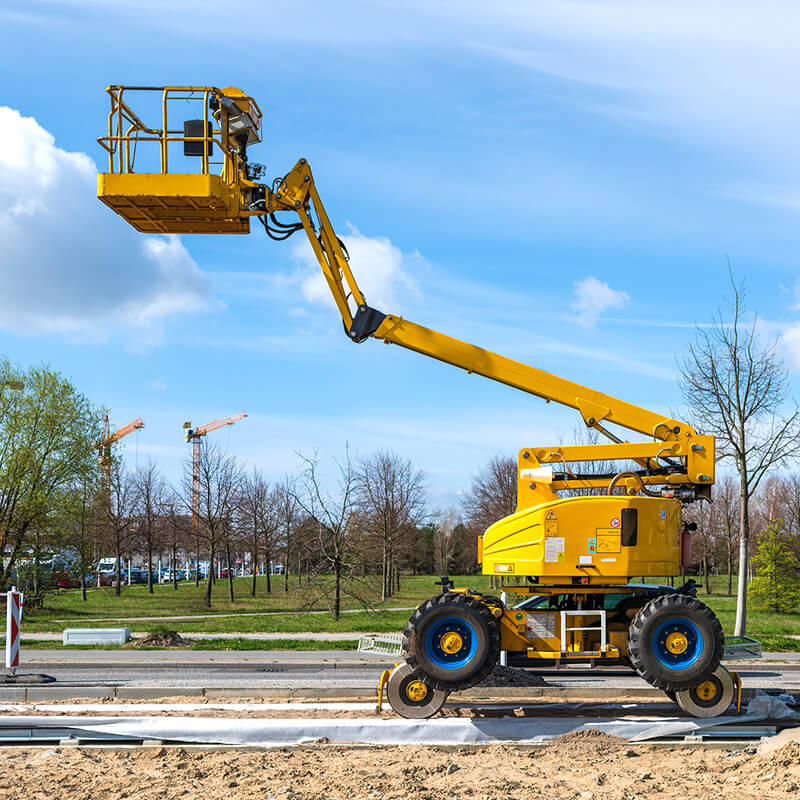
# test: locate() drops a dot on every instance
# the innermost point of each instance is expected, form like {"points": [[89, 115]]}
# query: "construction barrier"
{"points": [[14, 604]]}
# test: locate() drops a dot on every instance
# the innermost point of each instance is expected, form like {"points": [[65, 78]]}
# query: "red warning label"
{"points": [[615, 522]]}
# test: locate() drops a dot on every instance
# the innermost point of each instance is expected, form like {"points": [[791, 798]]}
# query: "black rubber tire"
{"points": [[487, 634], [690, 702], [400, 702], [644, 626]]}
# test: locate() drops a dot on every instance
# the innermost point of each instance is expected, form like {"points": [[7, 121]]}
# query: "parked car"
{"points": [[63, 580], [180, 574], [137, 575]]}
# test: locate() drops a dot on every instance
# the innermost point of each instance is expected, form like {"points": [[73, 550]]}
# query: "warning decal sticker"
{"points": [[540, 626], [615, 522], [554, 550], [551, 523]]}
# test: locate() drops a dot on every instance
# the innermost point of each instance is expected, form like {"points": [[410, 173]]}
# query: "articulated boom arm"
{"points": [[677, 456], [170, 202]]}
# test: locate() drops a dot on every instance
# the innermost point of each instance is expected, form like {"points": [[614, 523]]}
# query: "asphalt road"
{"points": [[256, 669]]}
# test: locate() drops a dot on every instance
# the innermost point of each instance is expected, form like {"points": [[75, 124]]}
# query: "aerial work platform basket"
{"points": [[166, 180]]}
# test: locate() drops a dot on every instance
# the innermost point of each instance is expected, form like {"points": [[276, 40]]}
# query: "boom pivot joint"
{"points": [[365, 322]]}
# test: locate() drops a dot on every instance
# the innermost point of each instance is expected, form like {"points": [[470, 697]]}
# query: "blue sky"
{"points": [[560, 182]]}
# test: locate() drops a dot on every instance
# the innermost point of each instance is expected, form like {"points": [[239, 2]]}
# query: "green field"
{"points": [[299, 610]]}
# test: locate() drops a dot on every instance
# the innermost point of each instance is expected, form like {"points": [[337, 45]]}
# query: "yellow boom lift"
{"points": [[575, 553]]}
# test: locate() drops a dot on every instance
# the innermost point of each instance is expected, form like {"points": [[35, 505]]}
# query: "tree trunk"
{"points": [[118, 578], [197, 565], [730, 566], [230, 572], [337, 589], [286, 564], [174, 567], [705, 573], [267, 571], [385, 570], [209, 579], [744, 540], [150, 570]]}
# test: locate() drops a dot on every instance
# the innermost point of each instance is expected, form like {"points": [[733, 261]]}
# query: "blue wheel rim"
{"points": [[433, 638], [694, 648]]}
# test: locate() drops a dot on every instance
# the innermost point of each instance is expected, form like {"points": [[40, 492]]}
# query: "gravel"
{"points": [[511, 676]]}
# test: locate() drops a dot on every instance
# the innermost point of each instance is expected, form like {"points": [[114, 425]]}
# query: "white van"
{"points": [[107, 565]]}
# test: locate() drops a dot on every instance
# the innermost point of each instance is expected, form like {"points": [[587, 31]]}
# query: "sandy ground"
{"points": [[233, 709], [586, 766]]}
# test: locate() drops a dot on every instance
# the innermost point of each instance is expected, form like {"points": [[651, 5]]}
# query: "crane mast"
{"points": [[195, 435], [103, 447]]}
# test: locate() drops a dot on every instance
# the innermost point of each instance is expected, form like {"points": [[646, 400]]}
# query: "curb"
{"points": [[555, 694]]}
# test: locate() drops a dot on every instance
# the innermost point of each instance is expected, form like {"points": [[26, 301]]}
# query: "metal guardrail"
{"points": [[388, 644], [740, 648]]}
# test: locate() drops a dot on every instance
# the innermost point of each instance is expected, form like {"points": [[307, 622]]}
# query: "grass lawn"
{"points": [[291, 609], [203, 644], [294, 611]]}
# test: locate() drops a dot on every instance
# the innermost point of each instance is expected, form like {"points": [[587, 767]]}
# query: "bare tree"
{"points": [[219, 477], [152, 495], [391, 497], [736, 387], [704, 539], [286, 511], [493, 494], [727, 501], [176, 529], [120, 517], [259, 518], [332, 511], [443, 541]]}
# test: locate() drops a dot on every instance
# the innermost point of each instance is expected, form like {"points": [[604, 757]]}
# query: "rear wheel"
{"points": [[411, 695], [454, 639], [711, 698], [675, 642]]}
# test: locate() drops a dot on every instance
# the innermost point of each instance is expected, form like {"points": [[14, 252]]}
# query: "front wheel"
{"points": [[454, 639], [675, 642], [711, 698]]}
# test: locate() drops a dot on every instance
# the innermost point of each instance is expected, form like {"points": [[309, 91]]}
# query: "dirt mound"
{"points": [[161, 639], [511, 676], [591, 735]]}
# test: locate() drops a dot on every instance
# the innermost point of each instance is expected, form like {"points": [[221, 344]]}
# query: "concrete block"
{"points": [[36, 694], [12, 694], [154, 692], [97, 635]]}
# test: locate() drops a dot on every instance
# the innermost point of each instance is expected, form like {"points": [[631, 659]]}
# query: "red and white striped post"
{"points": [[13, 619]]}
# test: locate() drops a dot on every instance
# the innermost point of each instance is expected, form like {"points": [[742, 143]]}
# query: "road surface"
{"points": [[335, 669]]}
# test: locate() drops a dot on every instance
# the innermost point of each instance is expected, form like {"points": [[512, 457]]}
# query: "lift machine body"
{"points": [[576, 537]]}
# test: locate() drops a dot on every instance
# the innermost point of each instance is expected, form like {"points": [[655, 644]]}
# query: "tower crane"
{"points": [[194, 435], [103, 447], [573, 556]]}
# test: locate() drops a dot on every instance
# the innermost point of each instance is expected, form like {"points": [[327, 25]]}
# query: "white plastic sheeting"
{"points": [[284, 732]]}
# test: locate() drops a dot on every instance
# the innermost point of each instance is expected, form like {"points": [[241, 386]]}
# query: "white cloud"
{"points": [[158, 385], [70, 265], [593, 297], [381, 269]]}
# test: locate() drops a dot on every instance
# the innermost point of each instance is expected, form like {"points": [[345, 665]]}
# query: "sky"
{"points": [[565, 183]]}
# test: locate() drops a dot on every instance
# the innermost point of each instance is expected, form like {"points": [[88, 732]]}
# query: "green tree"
{"points": [[776, 586], [46, 433]]}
